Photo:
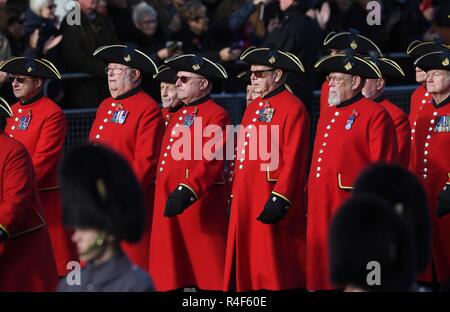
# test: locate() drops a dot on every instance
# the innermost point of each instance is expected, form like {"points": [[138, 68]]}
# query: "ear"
{"points": [[204, 85], [278, 75], [136, 74], [356, 82], [380, 83], [38, 82]]}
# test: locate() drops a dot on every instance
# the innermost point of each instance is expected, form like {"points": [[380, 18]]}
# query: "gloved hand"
{"points": [[181, 198], [275, 209], [443, 205]]}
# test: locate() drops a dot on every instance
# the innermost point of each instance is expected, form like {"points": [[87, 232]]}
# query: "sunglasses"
{"points": [[185, 79], [259, 73], [18, 79]]}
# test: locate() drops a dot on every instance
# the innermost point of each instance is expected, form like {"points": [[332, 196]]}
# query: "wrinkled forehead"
{"points": [[256, 67], [116, 65], [189, 74], [167, 85], [340, 75]]}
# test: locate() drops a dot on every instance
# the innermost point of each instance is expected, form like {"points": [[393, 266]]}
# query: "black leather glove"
{"points": [[275, 209], [443, 205], [3, 235], [181, 198]]}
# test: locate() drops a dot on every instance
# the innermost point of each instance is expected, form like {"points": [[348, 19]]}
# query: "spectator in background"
{"points": [[300, 35], [150, 39], [103, 202], [12, 21], [168, 14], [147, 34], [196, 36], [41, 29], [440, 22], [77, 46]]}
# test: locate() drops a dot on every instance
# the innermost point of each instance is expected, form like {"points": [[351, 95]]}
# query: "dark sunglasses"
{"points": [[259, 73], [18, 79], [185, 79]]}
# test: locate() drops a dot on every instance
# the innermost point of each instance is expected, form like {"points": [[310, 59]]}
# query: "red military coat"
{"points": [[418, 98], [402, 129], [430, 147], [132, 125], [189, 249], [40, 125], [167, 115], [339, 156], [269, 256], [324, 91], [26, 256]]}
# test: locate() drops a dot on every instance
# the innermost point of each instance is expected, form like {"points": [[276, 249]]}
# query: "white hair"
{"points": [[37, 5], [142, 9]]}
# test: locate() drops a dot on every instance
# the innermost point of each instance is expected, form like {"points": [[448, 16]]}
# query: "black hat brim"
{"points": [[417, 48], [38, 68], [348, 64], [128, 56], [273, 58], [346, 40], [198, 65], [166, 74], [5, 109], [434, 60]]}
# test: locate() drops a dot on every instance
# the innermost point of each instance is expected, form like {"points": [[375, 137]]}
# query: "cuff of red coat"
{"points": [[190, 189], [3, 234], [282, 196]]}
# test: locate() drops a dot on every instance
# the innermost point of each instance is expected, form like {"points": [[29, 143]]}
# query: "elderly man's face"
{"points": [[438, 81], [340, 88], [263, 78], [121, 79], [169, 96], [25, 87], [373, 88], [190, 86]]}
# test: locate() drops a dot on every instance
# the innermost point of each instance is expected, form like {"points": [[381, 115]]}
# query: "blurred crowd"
{"points": [[219, 29]]}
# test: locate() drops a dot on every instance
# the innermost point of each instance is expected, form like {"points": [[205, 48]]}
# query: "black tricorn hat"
{"points": [[197, 64], [387, 67], [100, 191], [32, 67], [418, 48], [348, 63], [244, 78], [127, 55], [434, 60], [272, 57], [402, 189], [166, 74], [350, 40], [366, 233], [5, 109]]}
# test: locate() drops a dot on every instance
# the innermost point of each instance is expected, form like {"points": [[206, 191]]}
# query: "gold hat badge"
{"points": [[127, 58], [353, 45], [446, 62], [196, 67], [29, 69], [348, 66], [272, 60]]}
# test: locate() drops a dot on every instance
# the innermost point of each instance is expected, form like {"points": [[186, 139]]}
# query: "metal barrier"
{"points": [[80, 120]]}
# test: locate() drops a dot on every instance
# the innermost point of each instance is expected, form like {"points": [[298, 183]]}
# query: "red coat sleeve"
{"points": [[149, 135], [403, 130], [17, 189], [382, 139], [295, 155], [49, 148], [207, 171]]}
